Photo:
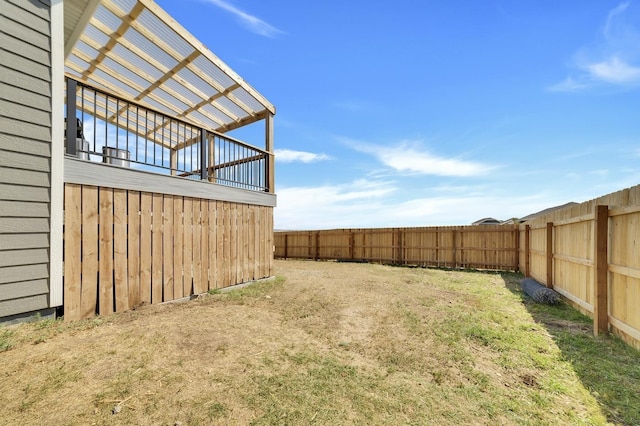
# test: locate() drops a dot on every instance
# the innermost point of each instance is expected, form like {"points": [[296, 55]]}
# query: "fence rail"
{"points": [[113, 130], [482, 247]]}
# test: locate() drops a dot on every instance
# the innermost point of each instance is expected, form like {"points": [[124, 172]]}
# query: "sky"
{"points": [[426, 113]]}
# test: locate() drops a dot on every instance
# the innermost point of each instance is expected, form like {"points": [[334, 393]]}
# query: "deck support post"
{"points": [[72, 124], [204, 167], [271, 176]]}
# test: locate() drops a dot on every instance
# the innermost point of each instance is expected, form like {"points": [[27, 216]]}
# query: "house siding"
{"points": [[25, 155]]}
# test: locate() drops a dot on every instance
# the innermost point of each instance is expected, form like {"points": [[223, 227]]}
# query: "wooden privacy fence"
{"points": [[125, 248], [482, 247], [590, 254]]}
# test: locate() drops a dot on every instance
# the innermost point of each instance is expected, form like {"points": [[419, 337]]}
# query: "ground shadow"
{"points": [[606, 366]]}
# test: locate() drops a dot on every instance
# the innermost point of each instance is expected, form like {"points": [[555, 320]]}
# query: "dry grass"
{"points": [[327, 343]]}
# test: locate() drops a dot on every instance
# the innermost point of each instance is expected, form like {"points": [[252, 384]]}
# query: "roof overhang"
{"points": [[136, 50]]}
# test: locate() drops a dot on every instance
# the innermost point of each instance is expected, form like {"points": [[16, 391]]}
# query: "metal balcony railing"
{"points": [[112, 130]]}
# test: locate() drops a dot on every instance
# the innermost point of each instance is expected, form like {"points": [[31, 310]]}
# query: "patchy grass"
{"points": [[605, 365], [6, 342], [326, 343]]}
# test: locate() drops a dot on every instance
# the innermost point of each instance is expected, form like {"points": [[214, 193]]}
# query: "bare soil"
{"points": [[327, 343]]}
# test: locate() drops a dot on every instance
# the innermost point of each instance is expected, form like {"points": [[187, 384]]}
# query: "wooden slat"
{"points": [[90, 223], [167, 249], [252, 228], [197, 248], [227, 245], [233, 237], [106, 251], [220, 235], [212, 245], [204, 245], [269, 228], [133, 246], [156, 249], [178, 248], [72, 251], [146, 203], [244, 236], [188, 247], [120, 262]]}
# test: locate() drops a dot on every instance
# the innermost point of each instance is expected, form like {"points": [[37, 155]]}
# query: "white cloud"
{"points": [[366, 204], [411, 157], [330, 206], [291, 156], [569, 84], [611, 59], [610, 25], [253, 23], [614, 70]]}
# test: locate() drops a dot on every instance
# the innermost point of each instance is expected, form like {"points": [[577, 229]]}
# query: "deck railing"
{"points": [[112, 130]]}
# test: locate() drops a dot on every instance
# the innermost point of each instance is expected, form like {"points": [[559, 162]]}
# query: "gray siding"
{"points": [[25, 155]]}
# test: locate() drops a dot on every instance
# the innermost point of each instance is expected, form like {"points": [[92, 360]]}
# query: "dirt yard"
{"points": [[324, 343]]}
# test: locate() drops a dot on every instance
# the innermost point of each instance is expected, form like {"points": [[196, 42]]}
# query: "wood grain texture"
{"points": [[156, 249], [146, 204], [73, 252], [178, 248], [105, 247], [90, 224], [168, 249], [120, 262], [133, 247]]}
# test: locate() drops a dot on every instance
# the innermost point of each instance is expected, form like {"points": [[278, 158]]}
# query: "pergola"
{"points": [[138, 52]]}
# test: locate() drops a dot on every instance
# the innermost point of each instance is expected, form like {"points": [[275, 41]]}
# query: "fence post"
{"points": [[317, 254], [600, 262], [550, 254], [517, 238], [286, 245], [399, 246], [527, 251], [455, 260], [351, 244]]}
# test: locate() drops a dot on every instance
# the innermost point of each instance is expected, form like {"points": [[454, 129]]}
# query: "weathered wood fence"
{"points": [[125, 248], [483, 247]]}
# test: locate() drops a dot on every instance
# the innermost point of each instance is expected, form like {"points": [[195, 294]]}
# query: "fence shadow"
{"points": [[607, 367]]}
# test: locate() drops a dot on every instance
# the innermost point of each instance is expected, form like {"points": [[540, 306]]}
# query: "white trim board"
{"points": [[98, 174]]}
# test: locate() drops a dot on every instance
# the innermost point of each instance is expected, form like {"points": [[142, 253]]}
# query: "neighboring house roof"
{"points": [[487, 221], [136, 50], [546, 211]]}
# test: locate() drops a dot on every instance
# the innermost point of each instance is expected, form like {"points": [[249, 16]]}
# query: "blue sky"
{"points": [[421, 113]]}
